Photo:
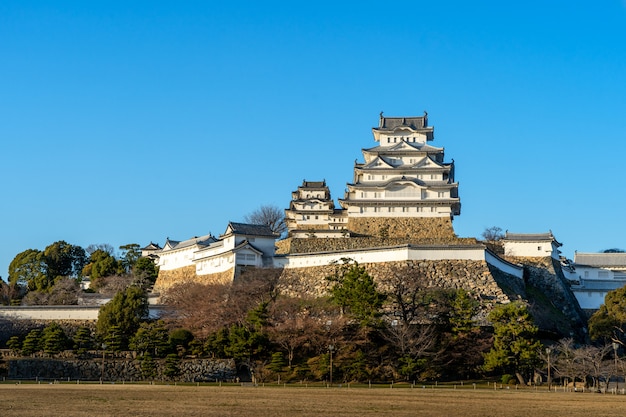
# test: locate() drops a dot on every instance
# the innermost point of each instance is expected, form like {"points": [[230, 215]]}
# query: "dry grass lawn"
{"points": [[161, 400]]}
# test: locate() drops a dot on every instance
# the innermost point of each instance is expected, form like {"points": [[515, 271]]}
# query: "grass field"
{"points": [[167, 400]]}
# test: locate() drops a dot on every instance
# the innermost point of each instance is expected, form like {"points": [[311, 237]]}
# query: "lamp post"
{"points": [[548, 351], [104, 347], [330, 350], [615, 346]]}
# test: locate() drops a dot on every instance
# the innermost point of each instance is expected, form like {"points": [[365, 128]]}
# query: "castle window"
{"points": [[316, 217]]}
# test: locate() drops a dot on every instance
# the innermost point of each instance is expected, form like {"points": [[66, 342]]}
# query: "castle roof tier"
{"points": [[403, 176]]}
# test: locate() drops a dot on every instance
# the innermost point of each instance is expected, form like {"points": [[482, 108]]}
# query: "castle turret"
{"points": [[312, 212]]}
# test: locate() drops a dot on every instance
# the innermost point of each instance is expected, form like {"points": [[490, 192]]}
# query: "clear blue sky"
{"points": [[129, 122]]}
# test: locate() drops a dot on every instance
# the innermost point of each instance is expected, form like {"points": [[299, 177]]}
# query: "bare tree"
{"points": [[206, 308], [595, 363], [405, 289], [198, 307], [105, 247], [292, 325], [269, 215], [411, 339], [493, 234]]}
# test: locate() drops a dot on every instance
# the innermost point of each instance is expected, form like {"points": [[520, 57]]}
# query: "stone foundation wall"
{"points": [[312, 245], [167, 279], [473, 276], [546, 274], [225, 277], [413, 228]]}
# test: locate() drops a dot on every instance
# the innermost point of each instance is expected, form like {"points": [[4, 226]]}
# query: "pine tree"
{"points": [[32, 342], [357, 294], [14, 343], [514, 347], [148, 367], [122, 315], [83, 341], [172, 366], [53, 339]]}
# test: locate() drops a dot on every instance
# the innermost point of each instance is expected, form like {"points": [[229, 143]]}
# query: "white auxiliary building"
{"points": [[594, 275]]}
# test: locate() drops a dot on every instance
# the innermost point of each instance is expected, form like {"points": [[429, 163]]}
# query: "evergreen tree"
{"points": [[180, 339], [131, 253], [148, 366], [15, 344], [278, 362], [53, 339], [217, 343], [172, 366], [244, 343], [463, 310], [114, 339], [101, 264], [32, 342], [515, 349], [151, 338], [83, 341], [608, 323], [145, 269], [356, 293], [124, 314]]}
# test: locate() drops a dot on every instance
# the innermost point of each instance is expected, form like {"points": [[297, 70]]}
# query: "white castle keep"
{"points": [[399, 207]]}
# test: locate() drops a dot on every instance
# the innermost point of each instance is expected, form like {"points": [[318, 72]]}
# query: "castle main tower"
{"points": [[403, 177], [404, 189]]}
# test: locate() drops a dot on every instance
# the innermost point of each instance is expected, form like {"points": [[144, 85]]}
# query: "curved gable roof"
{"points": [[249, 229], [377, 162]]}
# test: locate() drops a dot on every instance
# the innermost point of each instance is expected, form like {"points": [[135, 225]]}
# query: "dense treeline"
{"points": [[395, 328], [406, 332], [53, 276]]}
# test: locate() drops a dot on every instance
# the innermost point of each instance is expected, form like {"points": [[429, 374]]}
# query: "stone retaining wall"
{"points": [[546, 274], [313, 245], [167, 279], [403, 227], [191, 370], [473, 276]]}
